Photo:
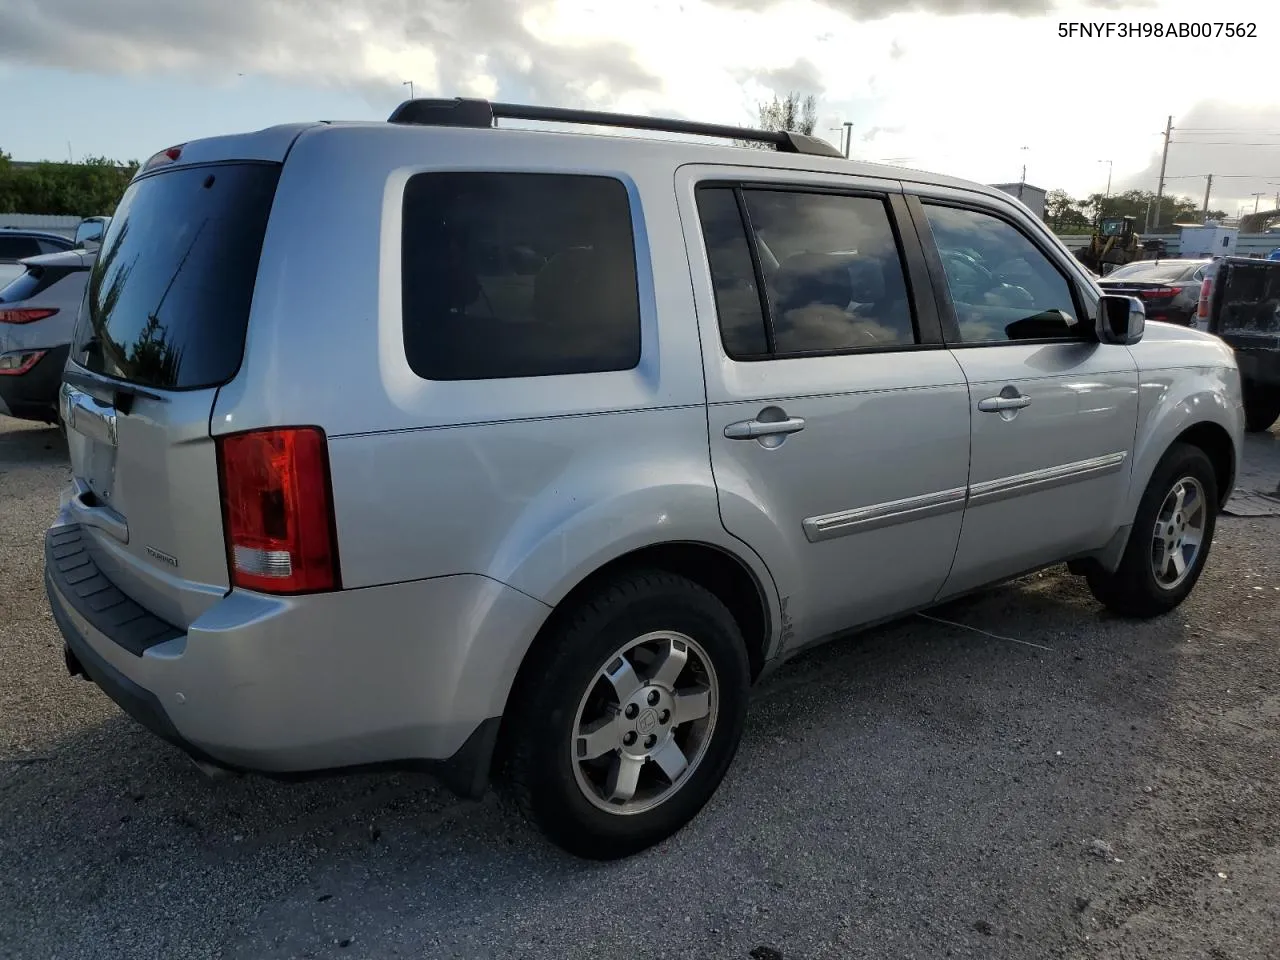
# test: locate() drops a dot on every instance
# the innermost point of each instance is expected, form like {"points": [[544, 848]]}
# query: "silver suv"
{"points": [[505, 450]]}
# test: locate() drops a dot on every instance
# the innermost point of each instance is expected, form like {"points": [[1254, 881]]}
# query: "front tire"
{"points": [[1170, 540], [629, 715]]}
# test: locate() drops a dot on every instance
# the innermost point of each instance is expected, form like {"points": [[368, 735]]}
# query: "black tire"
{"points": [[541, 771], [1261, 408], [1132, 589]]}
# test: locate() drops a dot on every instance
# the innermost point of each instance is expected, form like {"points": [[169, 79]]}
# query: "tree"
{"points": [[90, 188], [794, 113]]}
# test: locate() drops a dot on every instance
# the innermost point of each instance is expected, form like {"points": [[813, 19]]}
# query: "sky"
{"points": [[971, 88]]}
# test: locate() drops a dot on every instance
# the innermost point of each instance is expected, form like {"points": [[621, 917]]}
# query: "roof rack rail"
{"points": [[461, 112]]}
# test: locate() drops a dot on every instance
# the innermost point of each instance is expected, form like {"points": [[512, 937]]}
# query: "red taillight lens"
{"points": [[1206, 290], [1159, 293], [19, 362], [277, 510], [27, 316]]}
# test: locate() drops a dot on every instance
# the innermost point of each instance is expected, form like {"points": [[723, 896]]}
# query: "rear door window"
{"points": [[18, 248], [169, 296], [518, 275]]}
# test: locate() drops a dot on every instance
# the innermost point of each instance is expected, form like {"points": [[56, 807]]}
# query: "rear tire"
{"points": [[1160, 567], [1261, 408], [597, 718]]}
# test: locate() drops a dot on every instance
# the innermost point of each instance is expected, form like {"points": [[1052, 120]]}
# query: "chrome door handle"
{"points": [[1000, 404], [754, 429]]}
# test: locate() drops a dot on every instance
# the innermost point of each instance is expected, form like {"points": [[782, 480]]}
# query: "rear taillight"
{"points": [[1159, 293], [277, 510], [1206, 291], [19, 362], [30, 315]]}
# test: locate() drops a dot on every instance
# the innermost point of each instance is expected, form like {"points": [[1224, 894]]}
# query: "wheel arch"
{"points": [[750, 599]]}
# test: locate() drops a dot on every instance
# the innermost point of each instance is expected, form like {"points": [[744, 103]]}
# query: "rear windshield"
{"points": [[36, 280], [1154, 270], [168, 299]]}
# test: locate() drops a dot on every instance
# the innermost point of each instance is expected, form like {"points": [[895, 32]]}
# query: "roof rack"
{"points": [[461, 112]]}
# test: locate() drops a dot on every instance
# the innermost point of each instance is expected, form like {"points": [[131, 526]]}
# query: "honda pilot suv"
{"points": [[562, 441]]}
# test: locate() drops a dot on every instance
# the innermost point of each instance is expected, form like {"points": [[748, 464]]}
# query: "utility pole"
{"points": [[409, 84], [846, 137], [1256, 198], [1164, 160], [1106, 196], [1204, 216]]}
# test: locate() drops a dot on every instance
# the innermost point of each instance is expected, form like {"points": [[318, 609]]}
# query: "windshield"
{"points": [[168, 299]]}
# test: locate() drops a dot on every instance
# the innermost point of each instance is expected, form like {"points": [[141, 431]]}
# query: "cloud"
{"points": [[1238, 143], [476, 47], [802, 76], [863, 10]]}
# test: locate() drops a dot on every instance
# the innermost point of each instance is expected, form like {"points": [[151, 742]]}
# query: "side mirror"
{"points": [[89, 235], [1121, 320]]}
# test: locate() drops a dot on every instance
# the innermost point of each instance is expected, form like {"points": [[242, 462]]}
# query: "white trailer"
{"points": [[1196, 243]]}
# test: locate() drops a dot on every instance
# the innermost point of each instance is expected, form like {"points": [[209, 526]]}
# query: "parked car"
{"points": [[37, 313], [1240, 302], [17, 244], [1169, 289], [566, 440]]}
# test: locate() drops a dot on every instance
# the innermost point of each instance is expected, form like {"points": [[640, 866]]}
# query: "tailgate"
{"points": [[163, 328]]}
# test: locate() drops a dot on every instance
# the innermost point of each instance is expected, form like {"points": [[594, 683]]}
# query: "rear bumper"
{"points": [[34, 394], [410, 675], [1259, 366]]}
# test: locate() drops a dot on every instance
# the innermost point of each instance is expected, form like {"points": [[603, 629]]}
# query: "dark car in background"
{"points": [[1169, 289]]}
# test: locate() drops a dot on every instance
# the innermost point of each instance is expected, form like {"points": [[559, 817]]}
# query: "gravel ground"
{"points": [[919, 791]]}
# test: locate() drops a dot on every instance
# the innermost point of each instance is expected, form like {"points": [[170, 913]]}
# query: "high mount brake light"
{"points": [[277, 510], [163, 157]]}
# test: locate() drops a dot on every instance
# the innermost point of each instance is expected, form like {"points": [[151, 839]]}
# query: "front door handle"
{"points": [[1001, 404], [755, 429]]}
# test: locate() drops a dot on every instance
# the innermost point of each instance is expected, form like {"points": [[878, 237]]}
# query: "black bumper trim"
{"points": [[69, 564]]}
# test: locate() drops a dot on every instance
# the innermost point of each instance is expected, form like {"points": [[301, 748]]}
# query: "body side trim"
{"points": [[877, 515]]}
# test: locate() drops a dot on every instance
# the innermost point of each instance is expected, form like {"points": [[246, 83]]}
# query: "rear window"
{"points": [[35, 280], [169, 295], [518, 275], [1152, 270]]}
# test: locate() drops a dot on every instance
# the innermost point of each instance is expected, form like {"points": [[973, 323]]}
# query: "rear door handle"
{"points": [[755, 429], [999, 404]]}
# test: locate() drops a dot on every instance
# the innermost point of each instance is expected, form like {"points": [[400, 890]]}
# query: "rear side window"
{"points": [[19, 248], [518, 275], [169, 296]]}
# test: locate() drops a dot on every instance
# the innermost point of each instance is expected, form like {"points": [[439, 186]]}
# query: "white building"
{"points": [[1032, 197]]}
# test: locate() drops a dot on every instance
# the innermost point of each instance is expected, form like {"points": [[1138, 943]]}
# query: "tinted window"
{"points": [[169, 295], [832, 271], [518, 275], [18, 248], [741, 318], [1002, 286], [52, 246]]}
